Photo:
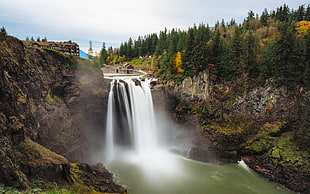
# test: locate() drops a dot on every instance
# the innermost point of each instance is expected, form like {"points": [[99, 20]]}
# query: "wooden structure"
{"points": [[67, 47], [126, 68]]}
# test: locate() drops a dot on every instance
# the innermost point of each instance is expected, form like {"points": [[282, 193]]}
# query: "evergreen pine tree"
{"points": [[215, 48], [199, 57], [232, 22], [165, 64], [181, 41], [283, 13], [172, 39], [249, 57], [284, 51], [162, 42], [236, 53], [307, 16], [130, 53], [299, 15], [154, 40], [188, 65], [3, 30], [223, 26], [123, 49], [103, 55], [224, 67], [269, 62], [306, 77]]}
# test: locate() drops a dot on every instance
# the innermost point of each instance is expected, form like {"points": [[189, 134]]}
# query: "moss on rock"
{"points": [[93, 179]]}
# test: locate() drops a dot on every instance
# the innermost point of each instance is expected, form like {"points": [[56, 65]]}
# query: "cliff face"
{"points": [[256, 103], [261, 125], [193, 90], [48, 104]]}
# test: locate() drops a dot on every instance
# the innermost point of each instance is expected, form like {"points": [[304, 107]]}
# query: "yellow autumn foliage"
{"points": [[302, 27], [178, 62]]}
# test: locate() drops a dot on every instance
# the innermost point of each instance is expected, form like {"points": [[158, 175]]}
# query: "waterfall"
{"points": [[130, 118], [109, 127]]}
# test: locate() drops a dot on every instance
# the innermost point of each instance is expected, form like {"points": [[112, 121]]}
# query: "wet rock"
{"points": [[97, 177], [153, 84], [296, 180], [137, 82]]}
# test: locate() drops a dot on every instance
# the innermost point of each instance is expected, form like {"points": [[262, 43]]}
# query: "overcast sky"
{"points": [[114, 21]]}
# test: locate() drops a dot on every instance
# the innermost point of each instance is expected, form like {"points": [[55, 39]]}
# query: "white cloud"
{"points": [[115, 21]]}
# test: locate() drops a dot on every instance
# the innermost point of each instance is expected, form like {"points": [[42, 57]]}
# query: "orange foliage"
{"points": [[269, 107], [302, 27], [178, 62]]}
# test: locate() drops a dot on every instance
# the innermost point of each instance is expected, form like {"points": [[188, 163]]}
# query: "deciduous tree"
{"points": [[302, 27], [178, 62]]}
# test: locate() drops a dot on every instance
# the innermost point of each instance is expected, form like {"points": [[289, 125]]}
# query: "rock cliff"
{"points": [[50, 107], [259, 124], [195, 89]]}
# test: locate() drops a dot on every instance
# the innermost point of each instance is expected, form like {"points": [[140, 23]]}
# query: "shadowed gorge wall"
{"points": [[47, 99]]}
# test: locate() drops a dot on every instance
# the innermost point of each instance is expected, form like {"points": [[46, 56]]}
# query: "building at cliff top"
{"points": [[67, 47], [126, 68]]}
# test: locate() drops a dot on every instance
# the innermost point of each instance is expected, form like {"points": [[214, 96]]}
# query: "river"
{"points": [[190, 177]]}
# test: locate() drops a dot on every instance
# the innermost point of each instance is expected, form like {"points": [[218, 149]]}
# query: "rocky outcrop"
{"points": [[266, 124], [35, 160], [267, 102], [49, 103], [263, 102], [96, 178], [194, 89], [295, 179]]}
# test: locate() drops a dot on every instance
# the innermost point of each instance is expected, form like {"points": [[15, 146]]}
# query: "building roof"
{"points": [[128, 66]]}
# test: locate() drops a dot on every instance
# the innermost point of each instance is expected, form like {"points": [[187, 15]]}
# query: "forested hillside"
{"points": [[273, 46]]}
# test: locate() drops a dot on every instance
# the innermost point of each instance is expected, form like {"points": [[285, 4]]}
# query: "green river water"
{"points": [[177, 175]]}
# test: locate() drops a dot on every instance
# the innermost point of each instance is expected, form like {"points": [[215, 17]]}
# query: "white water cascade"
{"points": [[130, 118]]}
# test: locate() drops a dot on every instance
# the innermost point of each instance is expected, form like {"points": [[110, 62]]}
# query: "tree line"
{"points": [[38, 39], [274, 46]]}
